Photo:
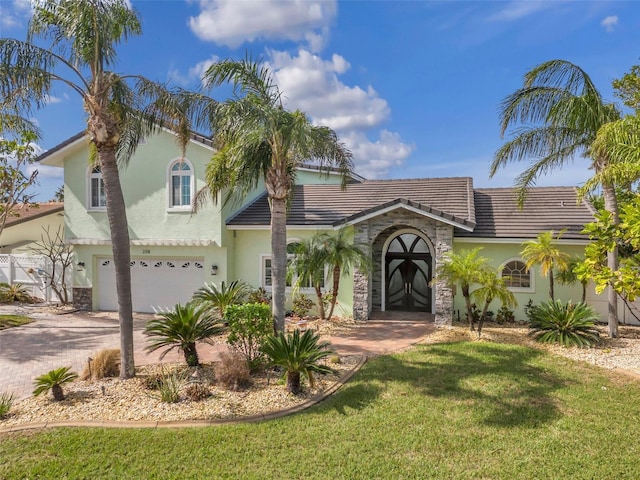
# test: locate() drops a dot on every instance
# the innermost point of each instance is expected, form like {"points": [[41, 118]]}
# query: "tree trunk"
{"points": [[482, 317], [119, 228], [293, 382], [191, 355], [57, 392], [278, 260], [320, 301], [467, 301], [551, 285], [334, 290], [611, 205]]}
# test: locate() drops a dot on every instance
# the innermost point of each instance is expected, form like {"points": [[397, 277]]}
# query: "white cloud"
{"points": [[232, 22], [194, 74], [15, 14], [516, 10], [312, 84], [609, 23]]}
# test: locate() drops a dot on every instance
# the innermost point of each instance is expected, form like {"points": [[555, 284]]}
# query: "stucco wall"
{"points": [[24, 234], [498, 254]]}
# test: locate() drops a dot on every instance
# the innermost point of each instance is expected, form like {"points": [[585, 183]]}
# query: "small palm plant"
{"points": [[211, 297], [298, 354], [569, 325], [181, 328], [53, 380]]}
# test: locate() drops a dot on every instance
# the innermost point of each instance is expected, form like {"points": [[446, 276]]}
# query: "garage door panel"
{"points": [[156, 283]]}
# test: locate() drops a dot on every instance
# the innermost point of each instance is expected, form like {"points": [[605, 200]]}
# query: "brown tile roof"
{"points": [[546, 208], [23, 213], [448, 198]]}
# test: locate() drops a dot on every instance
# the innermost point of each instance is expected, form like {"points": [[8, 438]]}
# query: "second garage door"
{"points": [[156, 283]]}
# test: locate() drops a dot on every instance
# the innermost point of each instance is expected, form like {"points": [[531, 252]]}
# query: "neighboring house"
{"points": [[25, 226], [408, 225]]}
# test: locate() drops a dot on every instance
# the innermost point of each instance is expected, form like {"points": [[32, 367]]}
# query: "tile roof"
{"points": [[24, 213], [546, 208], [450, 199]]}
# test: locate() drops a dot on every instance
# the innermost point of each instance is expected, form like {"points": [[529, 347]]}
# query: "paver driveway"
{"points": [[54, 341]]}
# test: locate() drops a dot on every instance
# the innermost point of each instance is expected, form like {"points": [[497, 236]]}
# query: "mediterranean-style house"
{"points": [[408, 225]]}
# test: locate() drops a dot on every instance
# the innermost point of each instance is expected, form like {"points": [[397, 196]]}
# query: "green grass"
{"points": [[8, 321], [465, 410]]}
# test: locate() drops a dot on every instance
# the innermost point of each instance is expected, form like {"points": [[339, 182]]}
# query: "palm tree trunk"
{"points": [[482, 317], [320, 301], [611, 206], [119, 228], [334, 291], [293, 382], [278, 260], [57, 392], [551, 285], [191, 355], [467, 301]]}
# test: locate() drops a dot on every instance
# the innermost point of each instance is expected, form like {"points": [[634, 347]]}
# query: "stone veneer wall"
{"points": [[372, 233], [83, 298]]}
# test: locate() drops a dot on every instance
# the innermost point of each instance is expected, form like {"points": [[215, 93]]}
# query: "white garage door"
{"points": [[156, 283]]}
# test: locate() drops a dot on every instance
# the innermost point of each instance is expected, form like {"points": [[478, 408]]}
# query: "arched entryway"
{"points": [[407, 272]]}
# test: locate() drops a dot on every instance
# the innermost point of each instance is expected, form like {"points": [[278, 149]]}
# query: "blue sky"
{"points": [[412, 87]]}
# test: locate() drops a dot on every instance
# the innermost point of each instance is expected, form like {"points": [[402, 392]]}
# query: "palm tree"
{"points": [[464, 268], [492, 287], [83, 36], [560, 112], [543, 252], [308, 264], [261, 140], [568, 276], [210, 297], [181, 328]]}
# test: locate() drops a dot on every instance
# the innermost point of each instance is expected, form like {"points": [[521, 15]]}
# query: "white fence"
{"points": [[627, 313], [29, 271]]}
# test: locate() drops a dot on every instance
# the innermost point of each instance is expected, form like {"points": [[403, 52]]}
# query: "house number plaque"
{"points": [[144, 250]]}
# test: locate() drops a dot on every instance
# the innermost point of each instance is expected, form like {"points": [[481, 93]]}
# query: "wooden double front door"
{"points": [[408, 274]]}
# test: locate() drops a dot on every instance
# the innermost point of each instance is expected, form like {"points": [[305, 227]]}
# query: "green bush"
{"points": [[181, 328], [6, 402], [301, 305], [568, 325], [298, 354], [210, 297], [53, 380], [169, 388], [14, 293], [505, 315], [249, 326]]}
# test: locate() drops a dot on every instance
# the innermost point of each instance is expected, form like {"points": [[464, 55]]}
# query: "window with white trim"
{"points": [[267, 279], [180, 185], [97, 197], [517, 275]]}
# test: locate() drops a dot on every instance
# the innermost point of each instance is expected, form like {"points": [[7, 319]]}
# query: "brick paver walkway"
{"points": [[54, 341]]}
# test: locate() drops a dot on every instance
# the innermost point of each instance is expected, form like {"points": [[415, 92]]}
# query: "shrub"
{"points": [[105, 363], [211, 297], [298, 354], [568, 325], [249, 326], [505, 315], [233, 371], [259, 295], [181, 329], [169, 388], [153, 381], [14, 293], [6, 402], [301, 305], [196, 391], [527, 309], [53, 380]]}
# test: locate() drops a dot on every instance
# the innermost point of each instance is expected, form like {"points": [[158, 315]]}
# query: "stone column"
{"points": [[361, 304], [444, 295]]}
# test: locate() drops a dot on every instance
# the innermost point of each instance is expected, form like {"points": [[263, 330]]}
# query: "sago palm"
{"points": [[53, 380], [557, 115], [261, 140], [463, 268], [181, 328], [298, 354], [120, 109], [544, 252], [566, 324]]}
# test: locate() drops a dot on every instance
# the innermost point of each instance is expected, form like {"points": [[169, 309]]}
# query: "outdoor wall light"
{"points": [[80, 266], [214, 269]]}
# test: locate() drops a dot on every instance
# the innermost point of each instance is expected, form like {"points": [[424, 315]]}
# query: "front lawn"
{"points": [[459, 410], [8, 321]]}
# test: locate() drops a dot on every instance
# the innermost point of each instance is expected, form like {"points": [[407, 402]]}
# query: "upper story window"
{"points": [[518, 275], [97, 197], [181, 185]]}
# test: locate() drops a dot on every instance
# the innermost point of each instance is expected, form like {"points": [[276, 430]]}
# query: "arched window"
{"points": [[97, 197], [180, 184], [516, 274]]}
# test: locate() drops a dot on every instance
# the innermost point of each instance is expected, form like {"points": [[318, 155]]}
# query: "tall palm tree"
{"points": [[83, 35], [544, 252], [492, 287], [559, 111], [261, 140], [463, 268]]}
